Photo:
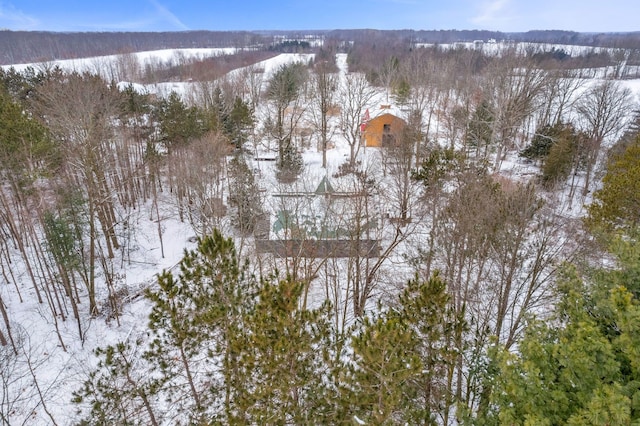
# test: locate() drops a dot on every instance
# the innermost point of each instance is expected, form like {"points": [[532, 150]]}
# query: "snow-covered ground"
{"points": [[102, 64], [61, 364], [60, 371], [495, 47]]}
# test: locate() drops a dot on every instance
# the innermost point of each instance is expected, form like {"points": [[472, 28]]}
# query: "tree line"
{"points": [[20, 47]]}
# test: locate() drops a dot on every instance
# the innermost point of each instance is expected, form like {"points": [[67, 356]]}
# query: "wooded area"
{"points": [[480, 267]]}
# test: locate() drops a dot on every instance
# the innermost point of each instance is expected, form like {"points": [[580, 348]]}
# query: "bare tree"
{"points": [[201, 170], [497, 247], [128, 67], [426, 75], [388, 74], [253, 78], [514, 87], [24, 394], [354, 95], [559, 95], [398, 159], [80, 110], [304, 220], [374, 238], [605, 109], [324, 86], [361, 219]]}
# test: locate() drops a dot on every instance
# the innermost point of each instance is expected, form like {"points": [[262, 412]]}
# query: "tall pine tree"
{"points": [[580, 368], [195, 318]]}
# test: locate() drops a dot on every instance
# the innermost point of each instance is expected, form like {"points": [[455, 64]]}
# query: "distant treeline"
{"points": [[26, 46], [629, 40], [31, 46]]}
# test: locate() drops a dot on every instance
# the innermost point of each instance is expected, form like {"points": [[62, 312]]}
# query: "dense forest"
{"points": [[233, 252]]}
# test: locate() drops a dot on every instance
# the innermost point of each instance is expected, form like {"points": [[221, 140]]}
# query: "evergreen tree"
{"points": [[223, 351], [26, 148], [544, 138], [402, 92], [22, 85], [480, 129], [384, 362], [435, 326], [559, 147], [564, 155], [228, 350], [62, 241], [403, 359], [238, 123], [284, 361], [284, 89], [290, 163], [244, 195], [121, 390], [135, 103], [436, 166], [580, 368], [179, 123], [617, 204], [194, 321]]}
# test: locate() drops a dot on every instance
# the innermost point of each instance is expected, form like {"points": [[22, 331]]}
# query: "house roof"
{"points": [[386, 118], [324, 187]]}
